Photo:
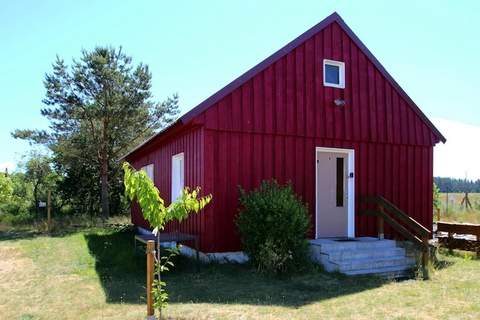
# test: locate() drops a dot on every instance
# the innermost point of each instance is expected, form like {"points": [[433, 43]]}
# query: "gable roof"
{"points": [[229, 88]]}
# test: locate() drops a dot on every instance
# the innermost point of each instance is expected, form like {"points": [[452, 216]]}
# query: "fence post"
{"points": [[425, 257], [49, 211], [478, 244], [450, 242], [381, 233], [150, 270]]}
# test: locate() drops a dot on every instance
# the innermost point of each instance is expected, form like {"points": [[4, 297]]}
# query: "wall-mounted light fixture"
{"points": [[339, 102]]}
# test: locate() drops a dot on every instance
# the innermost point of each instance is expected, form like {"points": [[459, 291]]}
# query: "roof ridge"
{"points": [[259, 67], [334, 17]]}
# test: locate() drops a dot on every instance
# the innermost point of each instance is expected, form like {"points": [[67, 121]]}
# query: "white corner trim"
{"points": [[341, 75], [350, 187]]}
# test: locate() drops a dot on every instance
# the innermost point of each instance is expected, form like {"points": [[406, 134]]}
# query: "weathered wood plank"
{"points": [[460, 228]]}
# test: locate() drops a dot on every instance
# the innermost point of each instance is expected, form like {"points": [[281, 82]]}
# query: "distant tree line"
{"points": [[457, 185]]}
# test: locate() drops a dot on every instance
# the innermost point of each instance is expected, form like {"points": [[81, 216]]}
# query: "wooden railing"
{"points": [[385, 211]]}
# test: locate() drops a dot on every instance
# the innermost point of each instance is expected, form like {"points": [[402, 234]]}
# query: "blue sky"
{"points": [[196, 47]]}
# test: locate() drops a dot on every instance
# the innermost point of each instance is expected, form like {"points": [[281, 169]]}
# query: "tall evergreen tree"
{"points": [[98, 108]]}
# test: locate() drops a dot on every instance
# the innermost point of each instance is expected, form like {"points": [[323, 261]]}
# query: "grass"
{"points": [[94, 274], [452, 210]]}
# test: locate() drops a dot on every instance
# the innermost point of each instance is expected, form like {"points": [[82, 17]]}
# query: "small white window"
{"points": [[333, 74], [149, 171], [177, 176]]}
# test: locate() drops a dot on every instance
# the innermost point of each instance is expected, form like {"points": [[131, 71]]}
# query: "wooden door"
{"points": [[332, 194]]}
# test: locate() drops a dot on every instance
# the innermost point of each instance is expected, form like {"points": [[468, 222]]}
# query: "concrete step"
{"points": [[403, 271], [364, 264], [338, 256], [365, 255], [361, 264], [330, 246]]}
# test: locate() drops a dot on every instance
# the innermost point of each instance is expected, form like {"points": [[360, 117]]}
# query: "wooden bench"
{"points": [[177, 237], [463, 236]]}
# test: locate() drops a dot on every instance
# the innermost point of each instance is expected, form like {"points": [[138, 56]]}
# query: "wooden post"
{"points": [[425, 257], [478, 245], [446, 207], [150, 270], [49, 211], [381, 233], [450, 242]]}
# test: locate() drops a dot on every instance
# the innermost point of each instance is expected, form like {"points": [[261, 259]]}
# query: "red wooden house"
{"points": [[321, 112]]}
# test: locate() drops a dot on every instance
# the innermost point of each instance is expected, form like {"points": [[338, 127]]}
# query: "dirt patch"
{"points": [[15, 277], [11, 260]]}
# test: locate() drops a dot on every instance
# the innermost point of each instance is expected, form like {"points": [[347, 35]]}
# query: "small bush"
{"points": [[273, 223]]}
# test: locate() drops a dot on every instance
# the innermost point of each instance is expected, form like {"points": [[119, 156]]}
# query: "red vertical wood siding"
{"points": [[284, 112], [197, 173], [293, 159], [269, 127]]}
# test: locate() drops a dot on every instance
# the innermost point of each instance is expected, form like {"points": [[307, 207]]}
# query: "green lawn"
{"points": [[94, 275]]}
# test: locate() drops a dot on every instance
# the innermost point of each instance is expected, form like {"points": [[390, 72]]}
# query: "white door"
{"points": [[333, 216]]}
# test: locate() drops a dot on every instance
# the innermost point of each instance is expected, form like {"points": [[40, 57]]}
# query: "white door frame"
{"points": [[350, 186]]}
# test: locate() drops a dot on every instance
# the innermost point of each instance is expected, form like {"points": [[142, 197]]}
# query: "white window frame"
{"points": [[178, 177], [149, 170], [341, 75]]}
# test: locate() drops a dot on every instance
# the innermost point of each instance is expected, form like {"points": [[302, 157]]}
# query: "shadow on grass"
{"points": [[471, 255], [121, 271], [442, 264], [122, 275], [18, 234], [33, 231]]}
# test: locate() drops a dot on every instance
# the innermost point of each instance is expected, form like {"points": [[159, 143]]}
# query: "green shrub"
{"points": [[16, 211], [436, 197], [273, 223], [15, 220], [6, 187]]}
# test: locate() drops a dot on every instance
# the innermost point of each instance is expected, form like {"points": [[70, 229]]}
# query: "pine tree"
{"points": [[98, 108]]}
